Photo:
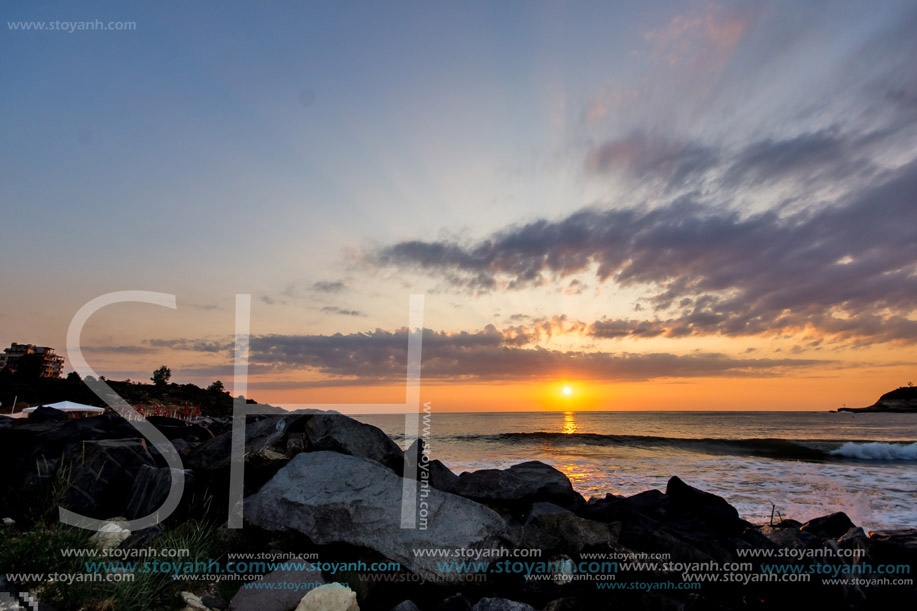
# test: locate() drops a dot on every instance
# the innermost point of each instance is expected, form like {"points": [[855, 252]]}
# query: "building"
{"points": [[52, 364]]}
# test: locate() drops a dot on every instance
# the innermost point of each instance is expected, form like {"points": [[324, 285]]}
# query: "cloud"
{"points": [[324, 286], [847, 268], [699, 42], [824, 154], [490, 355], [642, 156], [341, 311]]}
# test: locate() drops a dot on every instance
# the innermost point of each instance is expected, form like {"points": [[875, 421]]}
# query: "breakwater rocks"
{"points": [[355, 523]]}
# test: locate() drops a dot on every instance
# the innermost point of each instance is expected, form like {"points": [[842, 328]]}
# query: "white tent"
{"points": [[68, 406]]}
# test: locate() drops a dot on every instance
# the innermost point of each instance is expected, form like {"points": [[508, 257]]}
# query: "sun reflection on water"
{"points": [[569, 426]]}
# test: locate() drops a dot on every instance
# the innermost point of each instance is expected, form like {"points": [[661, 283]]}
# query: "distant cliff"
{"points": [[900, 400]]}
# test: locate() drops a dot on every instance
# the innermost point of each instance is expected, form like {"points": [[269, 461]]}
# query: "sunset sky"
{"points": [[669, 205]]}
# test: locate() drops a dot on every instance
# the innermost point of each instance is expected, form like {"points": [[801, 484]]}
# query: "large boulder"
{"points": [[272, 594], [336, 498], [554, 530], [832, 526], [501, 604], [47, 414], [345, 435], [434, 472], [689, 508], [174, 428], [517, 487], [98, 475], [150, 489], [329, 597], [271, 441]]}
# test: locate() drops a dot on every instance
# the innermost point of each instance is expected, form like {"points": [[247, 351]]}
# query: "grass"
{"points": [[39, 550]]}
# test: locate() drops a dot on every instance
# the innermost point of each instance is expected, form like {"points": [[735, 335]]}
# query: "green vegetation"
{"points": [[162, 376], [40, 550], [33, 390]]}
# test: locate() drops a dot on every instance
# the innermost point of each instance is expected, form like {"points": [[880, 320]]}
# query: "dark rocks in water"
{"points": [[324, 482], [791, 538], [692, 525], [894, 546], [336, 498], [832, 526], [517, 487], [556, 530], [693, 508], [437, 474]]}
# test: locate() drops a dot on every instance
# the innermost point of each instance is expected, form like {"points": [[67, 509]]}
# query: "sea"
{"points": [[798, 465]]}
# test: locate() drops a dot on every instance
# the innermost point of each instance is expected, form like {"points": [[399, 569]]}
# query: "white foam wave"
{"points": [[877, 450]]}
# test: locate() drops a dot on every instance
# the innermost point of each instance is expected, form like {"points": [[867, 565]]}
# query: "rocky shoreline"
{"points": [[899, 401], [325, 487]]}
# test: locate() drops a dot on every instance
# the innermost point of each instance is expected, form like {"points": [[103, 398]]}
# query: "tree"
{"points": [[73, 377], [162, 376], [216, 387]]}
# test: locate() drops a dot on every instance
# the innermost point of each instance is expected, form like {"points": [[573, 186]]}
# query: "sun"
{"points": [[568, 391]]}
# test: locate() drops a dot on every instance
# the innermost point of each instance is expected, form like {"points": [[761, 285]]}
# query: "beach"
{"points": [[806, 463]]}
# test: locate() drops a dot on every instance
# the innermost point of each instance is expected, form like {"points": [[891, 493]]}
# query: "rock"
{"points": [[519, 486], [855, 538], [829, 527], [192, 602], [406, 605], [329, 597], [342, 434], [563, 604], [501, 604], [458, 602], [112, 533], [47, 414], [173, 429], [554, 529], [437, 474], [276, 599], [150, 489], [787, 523], [98, 474], [609, 509], [642, 533], [694, 510], [214, 602], [335, 498], [271, 441], [789, 537], [894, 546]]}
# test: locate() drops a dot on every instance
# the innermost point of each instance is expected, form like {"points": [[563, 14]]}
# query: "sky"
{"points": [[658, 205]]}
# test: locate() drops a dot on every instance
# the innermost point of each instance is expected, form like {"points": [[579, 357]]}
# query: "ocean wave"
{"points": [[877, 450], [778, 449]]}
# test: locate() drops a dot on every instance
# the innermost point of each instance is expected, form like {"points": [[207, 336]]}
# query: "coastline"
{"points": [[326, 484]]}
